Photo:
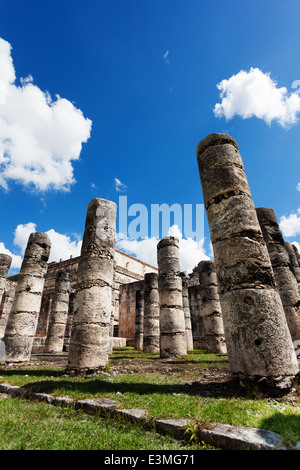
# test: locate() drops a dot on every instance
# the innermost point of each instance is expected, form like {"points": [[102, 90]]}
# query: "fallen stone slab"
{"points": [[42, 397], [96, 405], [241, 438], [173, 427], [134, 415], [13, 390], [64, 401]]}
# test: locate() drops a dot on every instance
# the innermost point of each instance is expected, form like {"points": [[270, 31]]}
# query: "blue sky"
{"points": [[124, 90]]}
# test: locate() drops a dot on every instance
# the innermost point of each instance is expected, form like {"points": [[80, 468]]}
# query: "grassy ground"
{"points": [[195, 388]]}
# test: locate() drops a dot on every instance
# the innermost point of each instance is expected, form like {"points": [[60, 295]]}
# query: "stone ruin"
{"points": [[244, 303]]}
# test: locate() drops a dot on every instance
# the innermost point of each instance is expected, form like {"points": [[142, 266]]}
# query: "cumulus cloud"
{"points": [[190, 251], [120, 187], [39, 137], [254, 93], [290, 225], [62, 246], [16, 259]]}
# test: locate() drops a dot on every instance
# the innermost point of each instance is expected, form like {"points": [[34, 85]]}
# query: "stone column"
{"points": [[69, 323], [59, 313], [7, 300], [139, 320], [23, 318], [285, 280], [5, 264], [297, 254], [258, 341], [89, 342], [196, 317], [151, 314], [294, 260], [187, 312], [172, 324], [211, 308]]}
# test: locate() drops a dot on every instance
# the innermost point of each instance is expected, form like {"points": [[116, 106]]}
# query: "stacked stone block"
{"points": [[90, 337], [293, 260], [22, 322], [151, 326], [172, 323], [59, 314], [187, 312], [211, 308], [280, 258], [69, 323], [5, 264], [258, 341], [139, 320]]}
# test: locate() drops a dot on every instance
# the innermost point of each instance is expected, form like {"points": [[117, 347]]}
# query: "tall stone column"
{"points": [[6, 305], [22, 322], [172, 324], [187, 312], [5, 264], [69, 323], [258, 341], [89, 342], [294, 260], [285, 280], [151, 329], [59, 313], [139, 320], [211, 308]]}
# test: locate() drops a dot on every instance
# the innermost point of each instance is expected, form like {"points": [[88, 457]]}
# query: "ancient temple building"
{"points": [[129, 273]]}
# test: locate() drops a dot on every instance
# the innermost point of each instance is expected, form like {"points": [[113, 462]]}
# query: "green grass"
{"points": [[36, 426], [165, 395]]}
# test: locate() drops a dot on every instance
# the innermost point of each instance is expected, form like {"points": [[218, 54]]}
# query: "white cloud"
{"points": [[22, 233], [190, 252], [144, 250], [16, 259], [166, 57], [120, 187], [290, 225], [39, 137], [254, 93], [62, 246]]}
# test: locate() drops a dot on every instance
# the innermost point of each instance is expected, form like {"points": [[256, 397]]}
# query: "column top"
{"points": [[215, 139]]}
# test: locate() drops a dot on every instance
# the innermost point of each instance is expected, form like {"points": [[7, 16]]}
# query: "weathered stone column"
{"points": [[196, 317], [211, 308], [296, 253], [7, 300], [5, 264], [23, 318], [151, 329], [139, 320], [187, 312], [258, 341], [294, 260], [285, 280], [59, 313], [69, 323], [172, 324], [89, 342]]}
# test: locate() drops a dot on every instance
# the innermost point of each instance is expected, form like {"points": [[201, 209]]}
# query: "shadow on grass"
{"points": [[99, 386], [31, 372], [288, 426]]}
